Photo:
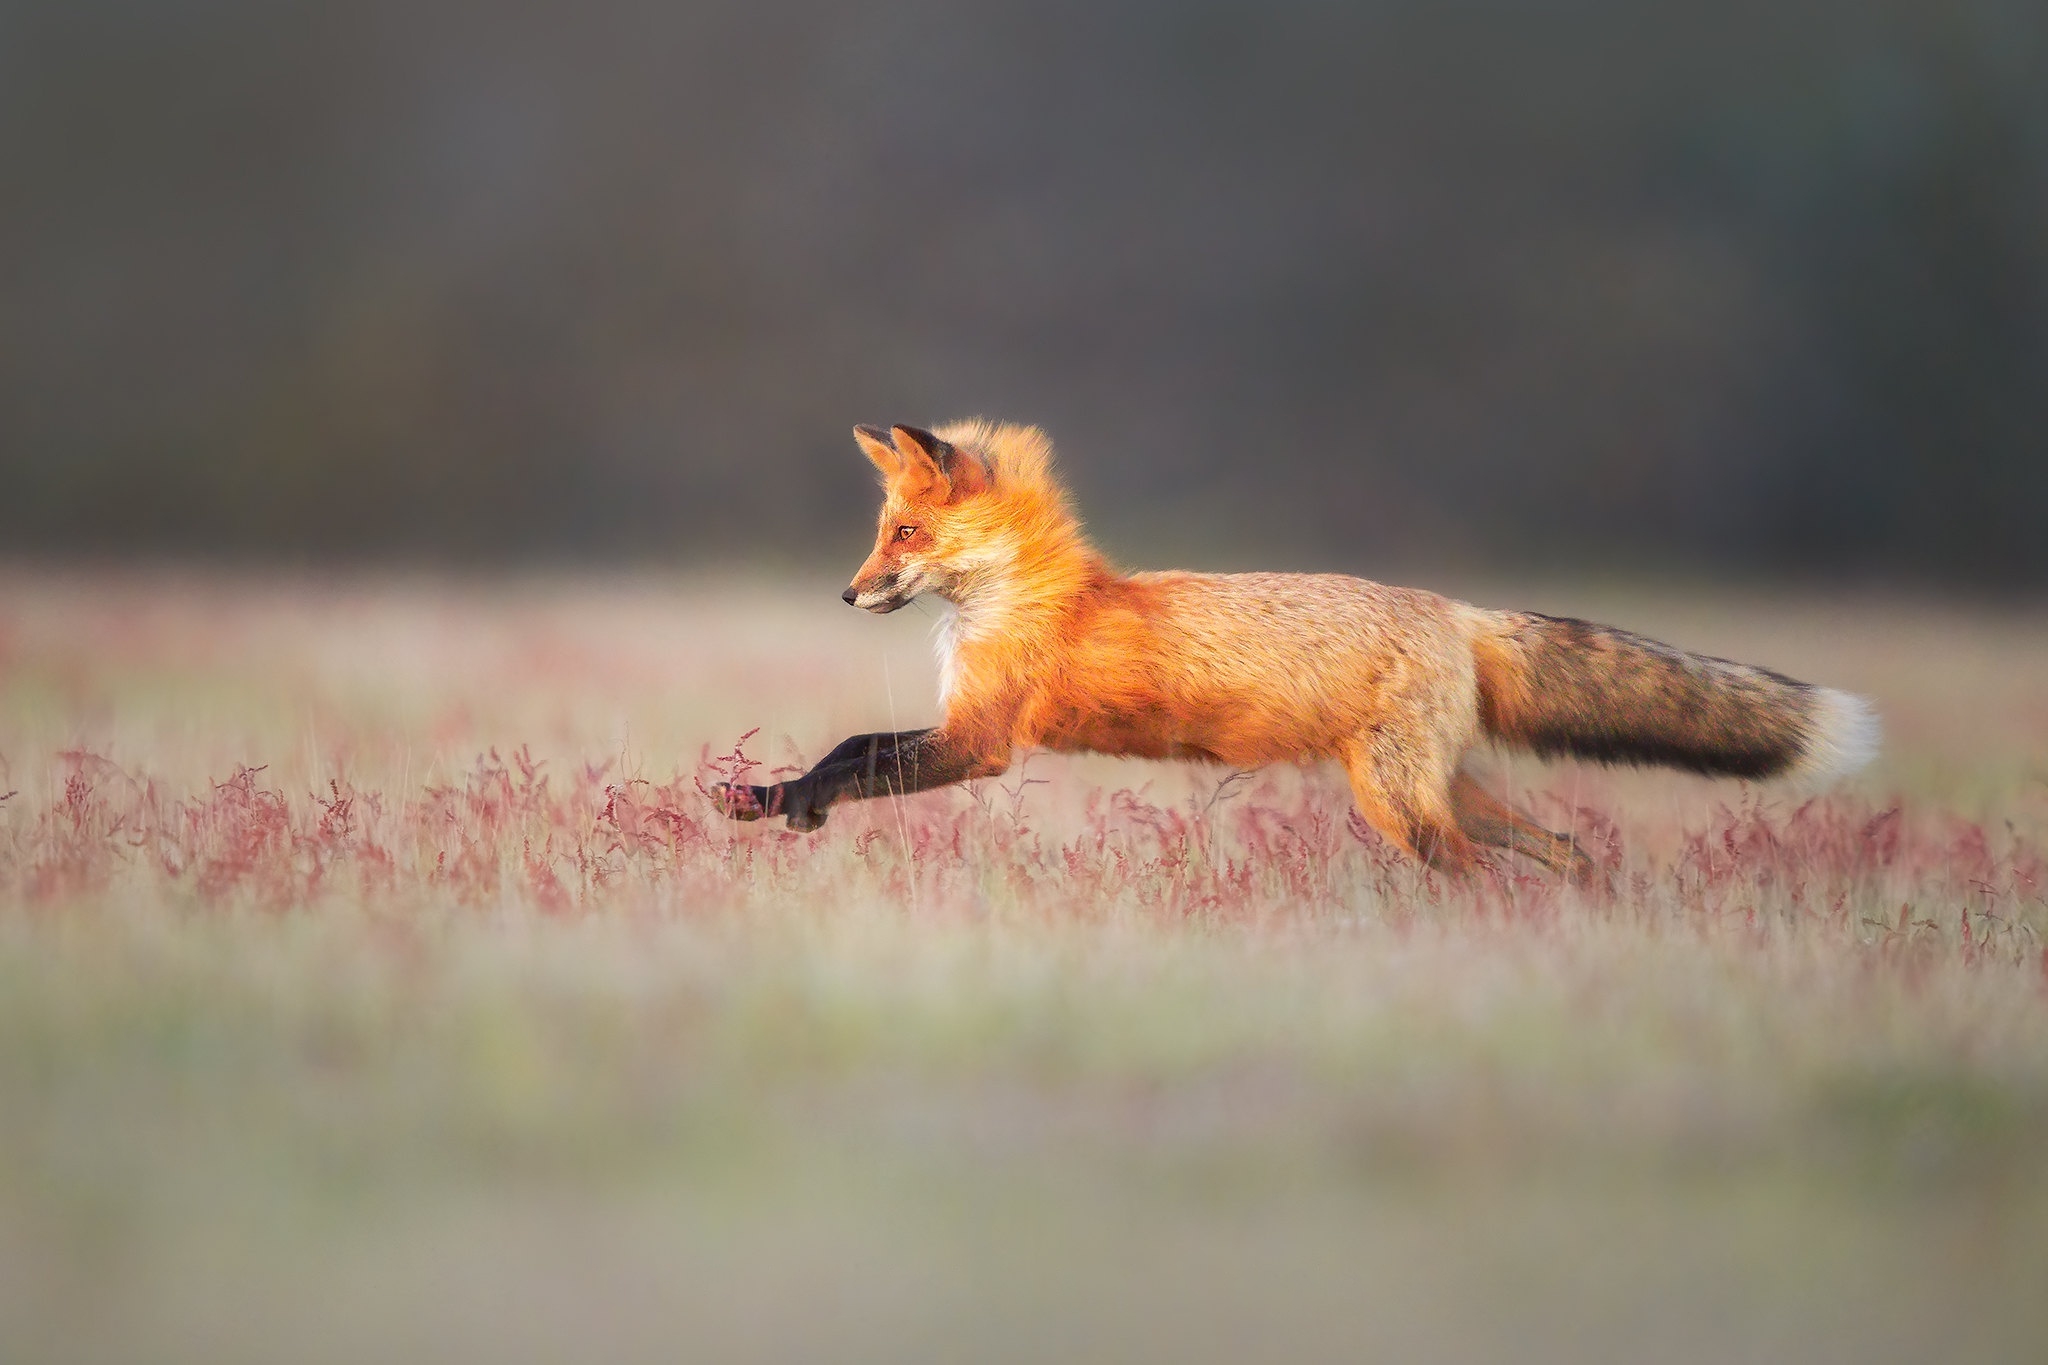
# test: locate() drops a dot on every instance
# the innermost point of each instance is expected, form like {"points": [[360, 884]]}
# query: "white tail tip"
{"points": [[1844, 737]]}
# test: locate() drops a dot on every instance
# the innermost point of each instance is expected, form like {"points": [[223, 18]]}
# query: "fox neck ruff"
{"points": [[1008, 612]]}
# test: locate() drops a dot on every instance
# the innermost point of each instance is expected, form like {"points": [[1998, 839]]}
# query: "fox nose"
{"points": [[848, 596]]}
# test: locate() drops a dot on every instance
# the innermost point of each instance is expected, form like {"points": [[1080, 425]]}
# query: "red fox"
{"points": [[1049, 646]]}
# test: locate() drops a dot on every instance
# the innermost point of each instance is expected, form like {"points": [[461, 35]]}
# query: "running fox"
{"points": [[1049, 646]]}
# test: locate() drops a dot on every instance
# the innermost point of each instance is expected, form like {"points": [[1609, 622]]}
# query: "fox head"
{"points": [[934, 532]]}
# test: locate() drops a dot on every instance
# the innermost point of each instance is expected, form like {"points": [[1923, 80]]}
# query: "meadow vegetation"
{"points": [[377, 983]]}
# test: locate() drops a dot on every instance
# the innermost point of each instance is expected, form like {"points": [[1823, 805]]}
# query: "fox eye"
{"points": [[905, 532]]}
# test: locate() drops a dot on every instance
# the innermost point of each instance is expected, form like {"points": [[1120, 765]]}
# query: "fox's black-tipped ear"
{"points": [[958, 473], [916, 445], [874, 442]]}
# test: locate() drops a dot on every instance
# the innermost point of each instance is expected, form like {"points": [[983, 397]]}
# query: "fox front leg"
{"points": [[889, 763], [805, 800]]}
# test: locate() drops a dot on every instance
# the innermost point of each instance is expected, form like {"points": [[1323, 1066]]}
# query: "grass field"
{"points": [[375, 984]]}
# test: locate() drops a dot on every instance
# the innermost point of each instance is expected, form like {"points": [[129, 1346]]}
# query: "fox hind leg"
{"points": [[1486, 820], [1401, 796]]}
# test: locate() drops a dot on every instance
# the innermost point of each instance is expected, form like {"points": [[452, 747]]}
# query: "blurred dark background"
{"points": [[1693, 287]]}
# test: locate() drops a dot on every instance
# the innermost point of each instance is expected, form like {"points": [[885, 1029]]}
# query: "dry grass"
{"points": [[375, 983]]}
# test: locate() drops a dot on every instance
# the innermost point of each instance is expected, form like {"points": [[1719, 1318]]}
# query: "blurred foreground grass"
{"points": [[518, 1057]]}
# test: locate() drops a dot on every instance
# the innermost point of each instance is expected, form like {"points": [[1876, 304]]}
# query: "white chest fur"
{"points": [[946, 637]]}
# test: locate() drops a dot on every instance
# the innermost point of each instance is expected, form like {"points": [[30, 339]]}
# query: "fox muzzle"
{"points": [[881, 597]]}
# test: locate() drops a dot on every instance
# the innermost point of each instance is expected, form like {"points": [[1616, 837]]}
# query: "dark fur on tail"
{"points": [[1563, 687]]}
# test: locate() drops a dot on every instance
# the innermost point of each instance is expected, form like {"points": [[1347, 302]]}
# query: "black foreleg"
{"points": [[889, 763]]}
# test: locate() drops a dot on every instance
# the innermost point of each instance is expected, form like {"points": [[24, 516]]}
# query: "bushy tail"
{"points": [[1563, 687]]}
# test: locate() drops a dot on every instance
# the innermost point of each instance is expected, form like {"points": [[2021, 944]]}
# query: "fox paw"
{"points": [[738, 801]]}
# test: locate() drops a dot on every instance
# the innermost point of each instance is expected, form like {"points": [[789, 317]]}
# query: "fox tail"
{"points": [[1562, 687]]}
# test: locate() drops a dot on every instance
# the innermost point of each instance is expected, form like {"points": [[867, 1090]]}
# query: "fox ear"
{"points": [[919, 447], [874, 443], [958, 473]]}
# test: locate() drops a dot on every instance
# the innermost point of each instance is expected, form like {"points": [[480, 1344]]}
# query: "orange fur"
{"points": [[1052, 647]]}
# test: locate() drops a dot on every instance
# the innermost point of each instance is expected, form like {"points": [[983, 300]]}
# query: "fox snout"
{"points": [[881, 595]]}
